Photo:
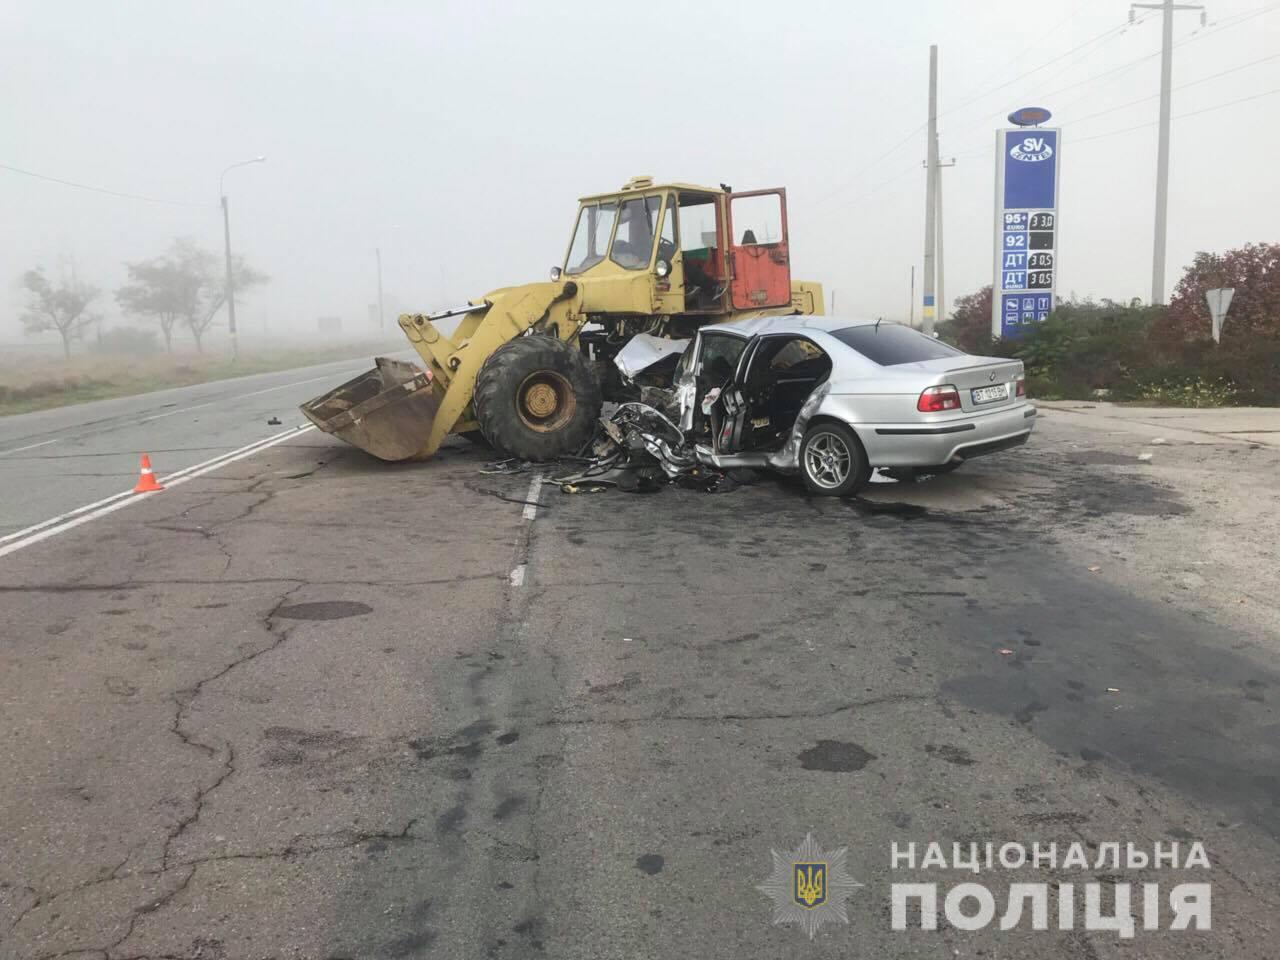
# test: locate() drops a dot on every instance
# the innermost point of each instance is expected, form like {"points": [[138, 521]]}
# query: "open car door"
{"points": [[728, 409], [757, 411], [759, 257]]}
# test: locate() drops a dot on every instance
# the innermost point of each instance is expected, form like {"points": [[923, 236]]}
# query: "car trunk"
{"points": [[968, 374]]}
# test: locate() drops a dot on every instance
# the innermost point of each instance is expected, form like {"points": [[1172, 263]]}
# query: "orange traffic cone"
{"points": [[147, 479]]}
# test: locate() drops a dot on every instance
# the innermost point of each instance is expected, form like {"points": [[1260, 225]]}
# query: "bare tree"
{"points": [[61, 305], [186, 285], [165, 288], [213, 295]]}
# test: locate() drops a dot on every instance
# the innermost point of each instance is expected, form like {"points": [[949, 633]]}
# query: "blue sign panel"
{"points": [[1026, 228], [1031, 166]]}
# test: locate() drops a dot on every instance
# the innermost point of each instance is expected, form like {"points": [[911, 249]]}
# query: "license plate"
{"points": [[991, 394]]}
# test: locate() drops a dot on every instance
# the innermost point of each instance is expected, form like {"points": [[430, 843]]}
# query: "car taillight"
{"points": [[937, 399], [1020, 388]]}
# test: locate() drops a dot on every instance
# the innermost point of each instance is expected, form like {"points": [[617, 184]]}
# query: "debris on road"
{"points": [[274, 422], [1094, 568], [640, 449], [1144, 458]]}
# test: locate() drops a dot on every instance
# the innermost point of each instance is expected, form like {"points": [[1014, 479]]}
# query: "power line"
{"points": [[870, 166], [1181, 116], [1106, 34], [868, 195], [1022, 52], [1214, 30], [1181, 86], [1142, 126], [103, 190]]}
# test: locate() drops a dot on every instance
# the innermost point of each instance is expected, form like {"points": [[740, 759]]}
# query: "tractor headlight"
{"points": [[555, 273], [662, 268]]}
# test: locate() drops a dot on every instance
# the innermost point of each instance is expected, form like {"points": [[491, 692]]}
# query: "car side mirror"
{"points": [[555, 273], [662, 268]]}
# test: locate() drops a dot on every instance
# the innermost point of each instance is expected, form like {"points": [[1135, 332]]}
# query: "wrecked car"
{"points": [[831, 399]]}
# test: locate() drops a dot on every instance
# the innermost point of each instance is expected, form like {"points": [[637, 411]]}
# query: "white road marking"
{"points": [[255, 393], [298, 383], [531, 498], [529, 513], [29, 446], [171, 413], [18, 534], [63, 522]]}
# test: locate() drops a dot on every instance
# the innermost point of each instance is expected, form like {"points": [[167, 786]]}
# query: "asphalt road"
{"points": [[57, 460], [316, 706]]}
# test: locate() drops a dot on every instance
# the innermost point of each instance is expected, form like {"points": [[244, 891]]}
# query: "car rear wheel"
{"points": [[831, 460], [536, 399]]}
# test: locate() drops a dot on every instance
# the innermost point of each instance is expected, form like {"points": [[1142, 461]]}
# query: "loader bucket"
{"points": [[387, 411]]}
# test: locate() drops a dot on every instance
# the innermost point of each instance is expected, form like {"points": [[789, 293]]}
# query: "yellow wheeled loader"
{"points": [[527, 368]]}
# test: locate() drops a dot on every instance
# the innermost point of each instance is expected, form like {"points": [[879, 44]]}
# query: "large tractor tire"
{"points": [[536, 399]]}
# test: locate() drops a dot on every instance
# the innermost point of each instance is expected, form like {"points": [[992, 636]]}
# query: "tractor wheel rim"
{"points": [[827, 460], [545, 401]]}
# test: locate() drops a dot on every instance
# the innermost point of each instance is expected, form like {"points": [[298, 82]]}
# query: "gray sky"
{"points": [[458, 136]]}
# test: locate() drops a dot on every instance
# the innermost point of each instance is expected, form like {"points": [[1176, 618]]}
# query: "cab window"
{"points": [[591, 236], [633, 243], [667, 239]]}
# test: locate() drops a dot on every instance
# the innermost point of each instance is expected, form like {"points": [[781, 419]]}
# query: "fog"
{"points": [[456, 137]]}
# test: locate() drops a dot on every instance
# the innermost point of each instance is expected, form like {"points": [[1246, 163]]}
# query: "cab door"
{"points": [[668, 289], [759, 257]]}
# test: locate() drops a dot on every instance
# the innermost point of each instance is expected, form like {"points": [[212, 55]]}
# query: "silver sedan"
{"points": [[834, 399]]}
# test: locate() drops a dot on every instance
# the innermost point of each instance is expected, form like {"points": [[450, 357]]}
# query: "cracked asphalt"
{"points": [[299, 707]]}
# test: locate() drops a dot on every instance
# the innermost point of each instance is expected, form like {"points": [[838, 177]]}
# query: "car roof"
{"points": [[794, 323]]}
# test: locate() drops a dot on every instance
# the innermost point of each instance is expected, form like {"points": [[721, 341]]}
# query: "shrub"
{"points": [[969, 326], [1189, 392], [1084, 347]]}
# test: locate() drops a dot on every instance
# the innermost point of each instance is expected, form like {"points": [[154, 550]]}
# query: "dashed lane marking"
{"points": [[29, 446], [529, 513]]}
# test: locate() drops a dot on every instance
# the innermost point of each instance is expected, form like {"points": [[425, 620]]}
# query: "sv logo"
{"points": [[1032, 150]]}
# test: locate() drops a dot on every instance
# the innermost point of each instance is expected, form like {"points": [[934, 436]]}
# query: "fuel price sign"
{"points": [[1026, 228]]}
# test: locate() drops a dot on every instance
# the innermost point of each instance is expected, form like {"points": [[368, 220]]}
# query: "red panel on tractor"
{"points": [[760, 258]]}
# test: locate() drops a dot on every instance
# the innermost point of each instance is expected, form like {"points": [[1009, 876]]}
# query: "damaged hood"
{"points": [[643, 351]]}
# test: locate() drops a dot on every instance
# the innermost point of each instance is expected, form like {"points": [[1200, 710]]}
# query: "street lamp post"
{"points": [[226, 235], [377, 252]]}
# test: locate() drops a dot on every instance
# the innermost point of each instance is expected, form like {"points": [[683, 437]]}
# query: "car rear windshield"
{"points": [[892, 343]]}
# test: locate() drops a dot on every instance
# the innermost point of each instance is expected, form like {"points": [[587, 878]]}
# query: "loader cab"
{"points": [[679, 249]]}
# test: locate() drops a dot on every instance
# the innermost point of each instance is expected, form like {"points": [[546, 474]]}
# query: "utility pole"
{"points": [[377, 252], [931, 196], [231, 290], [911, 316], [226, 236], [1167, 7], [942, 296]]}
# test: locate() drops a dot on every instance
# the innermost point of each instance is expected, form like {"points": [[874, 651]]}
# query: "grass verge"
{"points": [[36, 383]]}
